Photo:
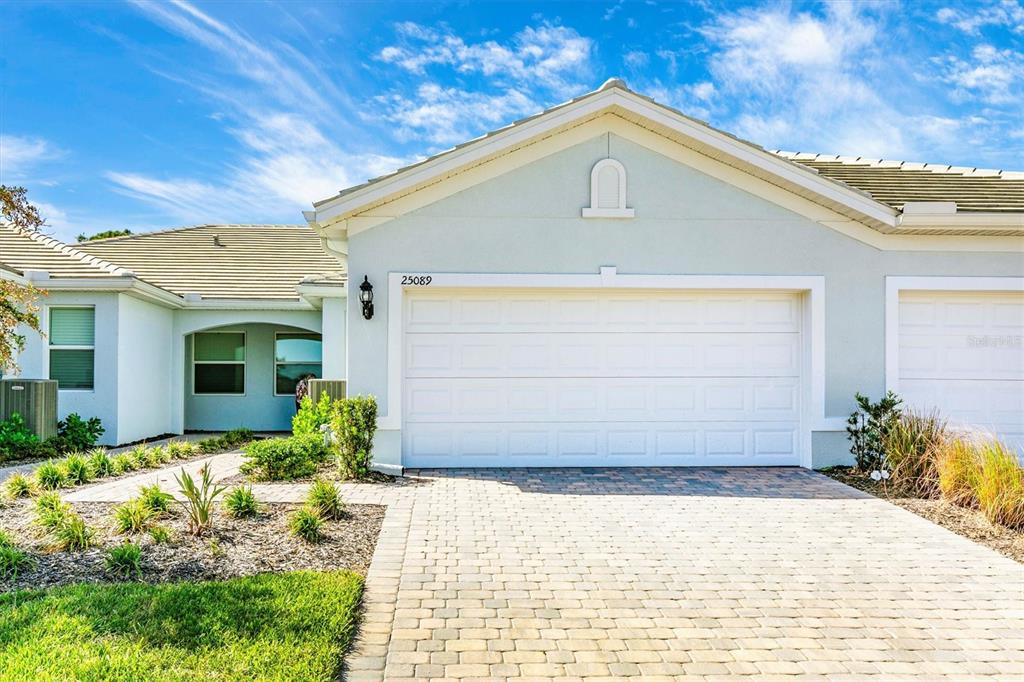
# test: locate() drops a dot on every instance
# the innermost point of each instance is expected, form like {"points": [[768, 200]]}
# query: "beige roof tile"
{"points": [[30, 250]]}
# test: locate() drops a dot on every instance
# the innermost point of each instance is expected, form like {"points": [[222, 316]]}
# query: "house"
{"points": [[200, 328], [609, 282]]}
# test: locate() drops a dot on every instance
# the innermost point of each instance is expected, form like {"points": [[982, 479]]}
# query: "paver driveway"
{"points": [[678, 573]]}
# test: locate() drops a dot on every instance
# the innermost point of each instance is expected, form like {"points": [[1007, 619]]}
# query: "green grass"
{"points": [[292, 626]]}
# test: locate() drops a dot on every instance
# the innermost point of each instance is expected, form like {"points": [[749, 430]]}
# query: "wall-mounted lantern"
{"points": [[366, 297]]}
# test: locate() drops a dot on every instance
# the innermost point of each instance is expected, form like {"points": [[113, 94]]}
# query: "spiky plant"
{"points": [[18, 485], [99, 463], [76, 469], [158, 501], [132, 516], [49, 476], [324, 496]]}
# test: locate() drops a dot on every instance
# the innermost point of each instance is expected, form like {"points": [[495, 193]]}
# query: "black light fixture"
{"points": [[366, 297]]}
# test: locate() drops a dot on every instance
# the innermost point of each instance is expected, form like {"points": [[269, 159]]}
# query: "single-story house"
{"points": [[609, 282]]}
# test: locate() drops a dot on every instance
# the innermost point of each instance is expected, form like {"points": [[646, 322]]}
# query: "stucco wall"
{"points": [[687, 222], [144, 346]]}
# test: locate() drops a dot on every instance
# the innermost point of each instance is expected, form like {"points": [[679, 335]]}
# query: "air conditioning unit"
{"points": [[332, 387], [35, 400]]}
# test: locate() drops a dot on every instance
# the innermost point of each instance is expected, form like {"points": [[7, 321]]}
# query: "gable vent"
{"points": [[608, 191]]}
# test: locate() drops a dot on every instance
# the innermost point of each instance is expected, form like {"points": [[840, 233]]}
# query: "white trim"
{"points": [[276, 363], [893, 287], [243, 362], [596, 211], [812, 287], [50, 346]]}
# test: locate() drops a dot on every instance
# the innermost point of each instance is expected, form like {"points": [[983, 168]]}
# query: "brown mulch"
{"points": [[234, 547], [329, 472], [969, 523]]}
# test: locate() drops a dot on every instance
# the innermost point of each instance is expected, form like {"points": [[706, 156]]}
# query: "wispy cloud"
{"points": [[1005, 13], [20, 154], [994, 75]]}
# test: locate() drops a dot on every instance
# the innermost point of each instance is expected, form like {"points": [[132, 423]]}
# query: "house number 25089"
{"points": [[416, 280]]}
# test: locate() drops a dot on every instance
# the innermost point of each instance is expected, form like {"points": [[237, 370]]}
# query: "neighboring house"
{"points": [[611, 282], [200, 328]]}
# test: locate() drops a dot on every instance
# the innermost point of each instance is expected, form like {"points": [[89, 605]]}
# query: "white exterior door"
{"points": [[601, 378], [962, 354]]}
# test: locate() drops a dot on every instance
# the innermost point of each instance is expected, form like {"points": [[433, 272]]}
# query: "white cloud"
{"points": [[997, 76], [636, 59], [1004, 13], [19, 154]]}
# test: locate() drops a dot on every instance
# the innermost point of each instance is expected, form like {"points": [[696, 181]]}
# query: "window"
{"points": [[295, 356], [72, 347], [218, 363]]}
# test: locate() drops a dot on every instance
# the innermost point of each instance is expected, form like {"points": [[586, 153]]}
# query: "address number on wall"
{"points": [[416, 280]]}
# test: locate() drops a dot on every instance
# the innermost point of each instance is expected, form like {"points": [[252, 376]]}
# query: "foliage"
{"points": [[19, 485], [911, 445], [157, 456], [229, 441], [99, 463], [286, 627], [124, 561], [198, 503], [106, 234], [325, 498], [311, 416], [73, 534], [132, 516], [139, 456], [49, 476], [75, 434], [19, 309], [15, 437], [353, 424], [958, 467], [305, 523], [181, 449], [161, 535], [284, 459], [1000, 485], [122, 464], [155, 499], [16, 209], [867, 428], [241, 503], [12, 562], [76, 469], [48, 503]]}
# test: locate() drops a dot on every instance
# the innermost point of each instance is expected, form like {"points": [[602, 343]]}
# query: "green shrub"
{"points": [[139, 456], [1000, 486], [241, 503], [49, 476], [5, 539], [151, 458], [181, 449], [958, 467], [284, 459], [155, 499], [76, 469], [75, 434], [124, 561], [132, 516], [18, 485], [198, 503], [49, 509], [15, 437], [34, 450], [325, 498], [73, 534], [911, 444], [161, 535], [305, 523], [867, 427], [311, 416], [353, 426], [99, 463], [12, 562], [229, 441], [122, 464]]}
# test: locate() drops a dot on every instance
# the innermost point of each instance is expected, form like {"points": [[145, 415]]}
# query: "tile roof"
{"points": [[898, 182], [223, 261], [22, 250]]}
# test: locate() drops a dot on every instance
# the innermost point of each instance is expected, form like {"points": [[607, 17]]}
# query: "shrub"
{"points": [[73, 534], [958, 467], [159, 455], [124, 561], [151, 458], [911, 444], [15, 437], [198, 503], [325, 498], [122, 464], [49, 476], [305, 523], [139, 456], [34, 450], [241, 503], [99, 463], [132, 516], [19, 485], [1000, 485], [181, 449], [155, 499], [75, 434], [161, 535], [867, 427], [12, 562], [76, 469], [284, 459], [311, 416], [50, 510], [5, 539], [353, 425], [230, 440]]}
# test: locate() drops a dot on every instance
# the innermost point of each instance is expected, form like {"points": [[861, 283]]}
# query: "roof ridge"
{"points": [[183, 229], [963, 171], [70, 251]]}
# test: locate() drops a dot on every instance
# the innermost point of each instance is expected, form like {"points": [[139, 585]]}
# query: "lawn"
{"points": [[291, 626]]}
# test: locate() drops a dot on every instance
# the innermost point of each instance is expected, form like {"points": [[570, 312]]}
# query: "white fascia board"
{"points": [[1013, 222], [127, 285], [247, 304]]}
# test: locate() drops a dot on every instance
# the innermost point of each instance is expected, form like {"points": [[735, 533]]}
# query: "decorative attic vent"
{"points": [[608, 191]]}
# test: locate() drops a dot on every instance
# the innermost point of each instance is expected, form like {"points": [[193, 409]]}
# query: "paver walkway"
{"points": [[678, 574]]}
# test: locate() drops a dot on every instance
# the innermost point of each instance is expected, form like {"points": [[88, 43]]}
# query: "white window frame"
{"points": [[243, 362], [51, 346], [276, 363]]}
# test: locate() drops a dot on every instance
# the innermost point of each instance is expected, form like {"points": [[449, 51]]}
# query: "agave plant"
{"points": [[198, 502]]}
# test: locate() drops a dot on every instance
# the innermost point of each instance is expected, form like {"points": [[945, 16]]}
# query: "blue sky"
{"points": [[144, 115]]}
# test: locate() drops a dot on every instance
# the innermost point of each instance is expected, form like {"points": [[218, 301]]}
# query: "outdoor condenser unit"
{"points": [[35, 400]]}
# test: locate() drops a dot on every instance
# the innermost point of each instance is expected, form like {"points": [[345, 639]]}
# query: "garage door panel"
{"points": [[601, 354], [993, 405]]}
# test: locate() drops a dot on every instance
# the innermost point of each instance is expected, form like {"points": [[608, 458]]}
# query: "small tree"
{"points": [[868, 427], [354, 424], [106, 234], [17, 301]]}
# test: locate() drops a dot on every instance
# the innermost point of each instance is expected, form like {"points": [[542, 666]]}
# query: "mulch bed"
{"points": [[234, 547], [969, 523]]}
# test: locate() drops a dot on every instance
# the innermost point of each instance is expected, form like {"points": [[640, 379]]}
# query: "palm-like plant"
{"points": [[198, 502]]}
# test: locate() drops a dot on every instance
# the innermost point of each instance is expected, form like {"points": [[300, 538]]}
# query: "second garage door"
{"points": [[591, 378]]}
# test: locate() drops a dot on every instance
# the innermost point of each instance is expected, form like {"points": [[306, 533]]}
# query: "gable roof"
{"points": [[848, 194], [22, 250], [223, 261]]}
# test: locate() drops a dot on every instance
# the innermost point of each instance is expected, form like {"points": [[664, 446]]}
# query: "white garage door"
{"points": [[591, 378], [962, 353]]}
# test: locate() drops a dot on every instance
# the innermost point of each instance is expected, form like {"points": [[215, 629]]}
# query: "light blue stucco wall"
{"points": [[687, 222]]}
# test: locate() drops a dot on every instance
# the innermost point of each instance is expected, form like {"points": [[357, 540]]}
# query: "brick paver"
{"points": [[677, 574]]}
